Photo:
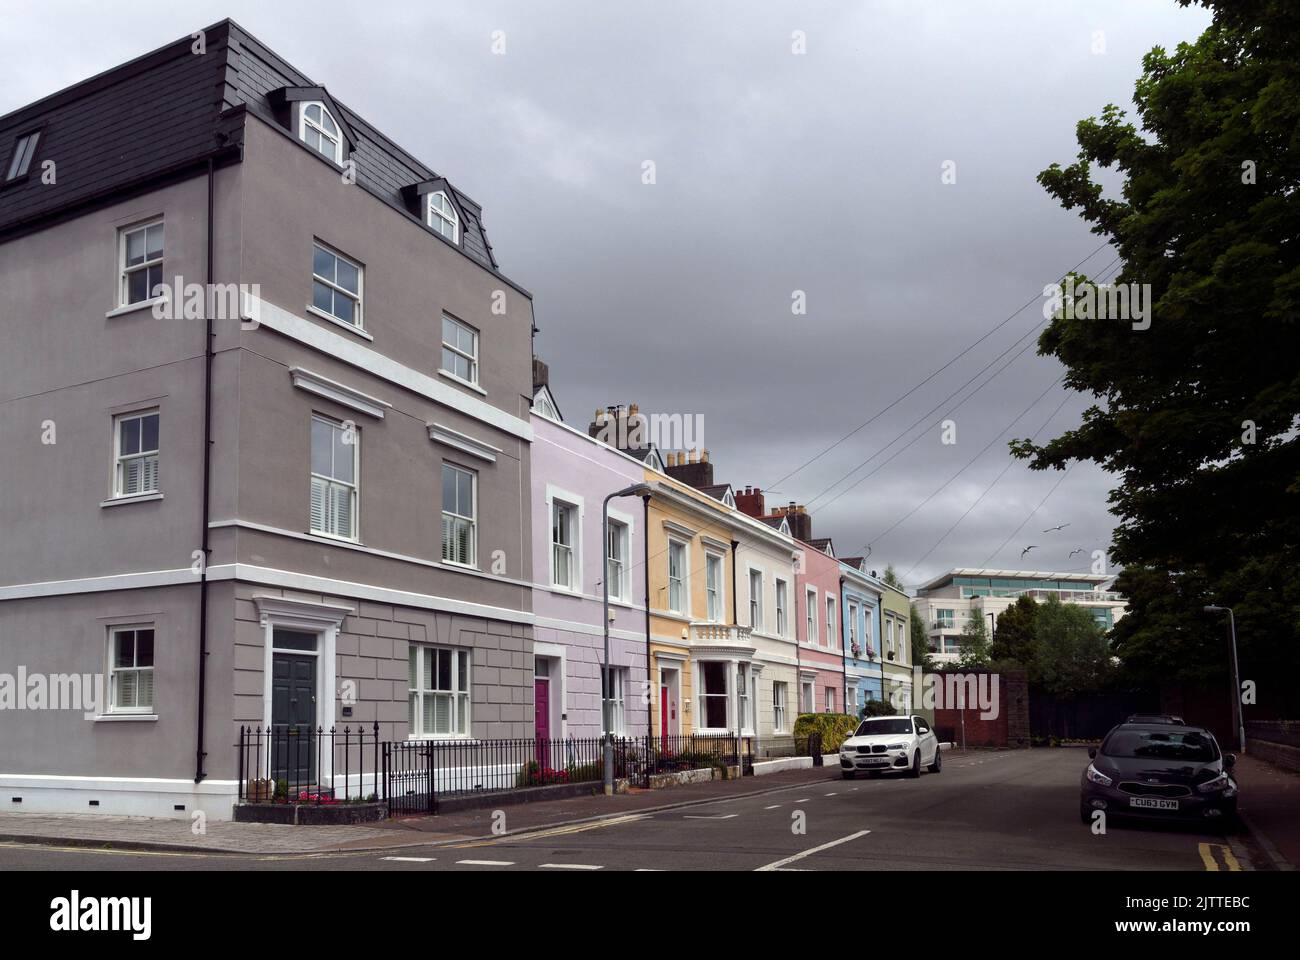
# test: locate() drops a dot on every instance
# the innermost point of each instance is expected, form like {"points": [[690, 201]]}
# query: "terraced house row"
{"points": [[335, 489]]}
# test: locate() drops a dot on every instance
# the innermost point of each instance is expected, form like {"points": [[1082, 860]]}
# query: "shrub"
{"points": [[833, 727]]}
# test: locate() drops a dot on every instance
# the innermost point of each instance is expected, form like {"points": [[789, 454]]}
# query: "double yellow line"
{"points": [[1230, 862]]}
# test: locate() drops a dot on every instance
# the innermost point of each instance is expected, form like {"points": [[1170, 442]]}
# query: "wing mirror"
{"points": [[1229, 760], [1092, 753]]}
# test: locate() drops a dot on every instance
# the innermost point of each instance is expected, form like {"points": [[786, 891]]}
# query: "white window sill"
{"points": [[464, 383], [445, 738], [134, 307], [569, 591], [334, 537], [350, 327], [125, 717], [455, 565], [120, 501]]}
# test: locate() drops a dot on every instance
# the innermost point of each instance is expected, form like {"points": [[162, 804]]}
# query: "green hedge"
{"points": [[834, 728]]}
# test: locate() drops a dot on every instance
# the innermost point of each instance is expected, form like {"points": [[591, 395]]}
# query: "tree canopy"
{"points": [[1197, 415]]}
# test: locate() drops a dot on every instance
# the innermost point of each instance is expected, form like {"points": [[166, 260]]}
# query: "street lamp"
{"points": [[635, 490], [1236, 678]]}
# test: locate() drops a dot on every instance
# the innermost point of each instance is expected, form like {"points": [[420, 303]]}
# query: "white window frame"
{"points": [[439, 219], [853, 701], [704, 698], [616, 559], [755, 599], [853, 626], [808, 694], [458, 696], [120, 459], [832, 606], [780, 700], [358, 298], [744, 680], [113, 707], [458, 518], [455, 348], [574, 532], [305, 122], [810, 602], [613, 683], [715, 592], [782, 611], [125, 270], [830, 699], [683, 603], [354, 488]]}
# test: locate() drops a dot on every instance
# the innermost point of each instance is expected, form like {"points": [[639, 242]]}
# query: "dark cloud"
{"points": [[775, 173]]}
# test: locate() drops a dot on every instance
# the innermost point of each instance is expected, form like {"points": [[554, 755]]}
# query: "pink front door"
{"points": [[542, 719]]}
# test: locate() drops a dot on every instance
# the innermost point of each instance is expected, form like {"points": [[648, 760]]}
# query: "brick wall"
{"points": [[1010, 728]]}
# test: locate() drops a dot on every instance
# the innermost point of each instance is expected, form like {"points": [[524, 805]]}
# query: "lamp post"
{"points": [[635, 490], [1236, 678]]}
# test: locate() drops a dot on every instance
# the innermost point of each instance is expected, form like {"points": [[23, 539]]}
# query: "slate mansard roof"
{"points": [[163, 115]]}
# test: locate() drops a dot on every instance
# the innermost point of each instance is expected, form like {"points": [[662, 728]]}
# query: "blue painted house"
{"points": [[860, 595]]}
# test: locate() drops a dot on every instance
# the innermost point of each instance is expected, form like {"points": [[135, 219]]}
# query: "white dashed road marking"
{"points": [[485, 863], [721, 816], [778, 864], [570, 866], [410, 859]]}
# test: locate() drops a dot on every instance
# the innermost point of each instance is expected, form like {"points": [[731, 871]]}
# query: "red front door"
{"points": [[664, 729], [542, 720]]}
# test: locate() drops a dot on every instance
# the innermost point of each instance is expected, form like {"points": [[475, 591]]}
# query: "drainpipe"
{"points": [[200, 773], [844, 647], [645, 537]]}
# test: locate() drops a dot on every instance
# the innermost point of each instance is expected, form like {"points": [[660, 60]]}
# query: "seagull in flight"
{"points": [[1061, 527], [1073, 552], [1026, 550]]}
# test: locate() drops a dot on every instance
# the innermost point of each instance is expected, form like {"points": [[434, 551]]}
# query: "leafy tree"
{"points": [[1071, 652], [891, 577], [1196, 415], [920, 642], [974, 644], [1015, 636]]}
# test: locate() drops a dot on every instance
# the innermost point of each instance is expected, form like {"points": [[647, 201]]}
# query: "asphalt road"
{"points": [[1001, 811]]}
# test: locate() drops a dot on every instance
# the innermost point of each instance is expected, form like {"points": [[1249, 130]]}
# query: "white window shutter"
{"points": [[317, 504]]}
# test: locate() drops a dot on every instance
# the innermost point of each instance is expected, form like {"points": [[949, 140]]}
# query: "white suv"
{"points": [[890, 743]]}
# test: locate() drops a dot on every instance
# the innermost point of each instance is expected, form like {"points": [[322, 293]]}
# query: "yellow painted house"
{"points": [[718, 662], [896, 646]]}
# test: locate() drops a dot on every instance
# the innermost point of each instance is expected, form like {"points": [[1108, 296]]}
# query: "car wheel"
{"points": [[848, 774], [916, 765], [938, 760]]}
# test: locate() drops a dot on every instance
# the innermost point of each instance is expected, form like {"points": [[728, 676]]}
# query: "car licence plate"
{"points": [[1153, 803], [875, 762]]}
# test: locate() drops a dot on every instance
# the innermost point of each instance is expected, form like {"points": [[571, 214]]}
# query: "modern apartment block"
{"points": [[947, 603], [298, 496]]}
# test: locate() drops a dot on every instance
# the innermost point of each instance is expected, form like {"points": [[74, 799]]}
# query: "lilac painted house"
{"points": [[572, 473]]}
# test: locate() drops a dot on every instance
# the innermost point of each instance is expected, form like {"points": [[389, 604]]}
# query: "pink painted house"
{"points": [[817, 618], [572, 473]]}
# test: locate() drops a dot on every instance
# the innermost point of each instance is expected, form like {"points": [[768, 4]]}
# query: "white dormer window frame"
{"points": [[318, 133], [441, 216]]}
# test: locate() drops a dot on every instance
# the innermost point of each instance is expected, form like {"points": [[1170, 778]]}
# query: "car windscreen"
{"points": [[1188, 745], [871, 728]]}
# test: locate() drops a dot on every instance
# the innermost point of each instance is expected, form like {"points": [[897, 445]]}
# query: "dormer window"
{"points": [[441, 216], [317, 129]]}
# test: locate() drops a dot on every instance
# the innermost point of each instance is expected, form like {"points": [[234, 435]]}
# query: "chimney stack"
{"points": [[750, 501], [690, 468]]}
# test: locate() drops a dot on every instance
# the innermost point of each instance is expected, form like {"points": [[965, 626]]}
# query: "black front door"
{"points": [[293, 718]]}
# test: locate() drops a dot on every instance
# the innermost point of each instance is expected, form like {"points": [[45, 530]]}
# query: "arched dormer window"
{"points": [[441, 216], [318, 130]]}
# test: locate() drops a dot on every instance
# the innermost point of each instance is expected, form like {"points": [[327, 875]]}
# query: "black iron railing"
{"points": [[303, 764], [292, 763]]}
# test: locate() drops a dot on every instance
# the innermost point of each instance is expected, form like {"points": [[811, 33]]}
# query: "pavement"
{"points": [[1011, 810], [1270, 809]]}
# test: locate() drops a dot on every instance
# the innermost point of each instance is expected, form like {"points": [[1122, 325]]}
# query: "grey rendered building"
{"points": [[307, 503]]}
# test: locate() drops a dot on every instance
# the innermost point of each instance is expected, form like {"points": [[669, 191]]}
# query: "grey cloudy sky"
{"points": [[775, 172]]}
